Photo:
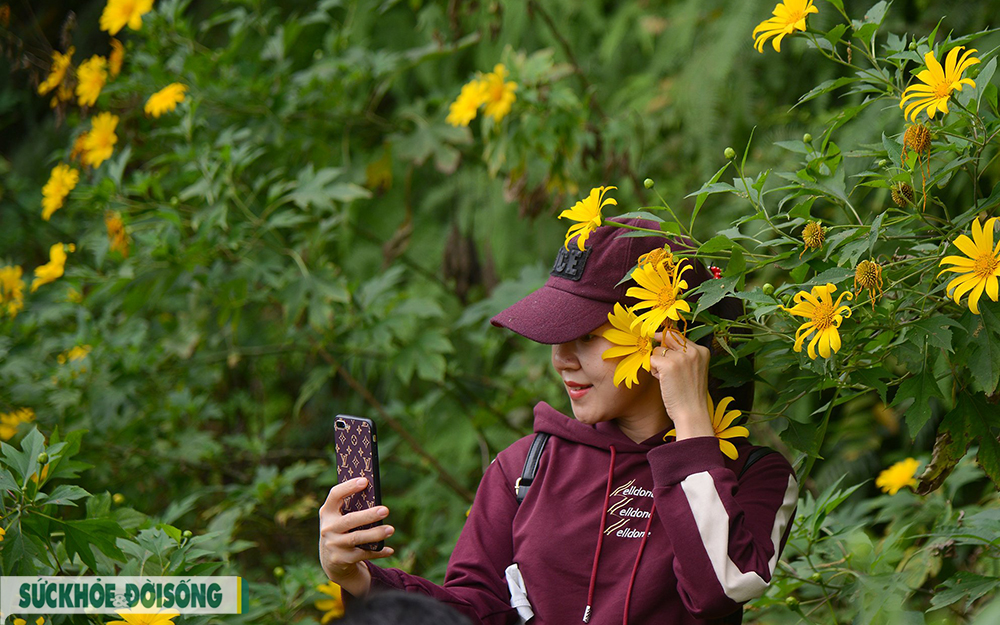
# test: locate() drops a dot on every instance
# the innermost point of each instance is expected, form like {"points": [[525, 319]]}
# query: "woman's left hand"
{"points": [[681, 366]]}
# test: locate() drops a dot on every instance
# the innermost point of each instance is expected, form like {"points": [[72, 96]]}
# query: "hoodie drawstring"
{"points": [[600, 539], [635, 567]]}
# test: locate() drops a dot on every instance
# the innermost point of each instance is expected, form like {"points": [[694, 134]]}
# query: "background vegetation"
{"points": [[309, 237]]}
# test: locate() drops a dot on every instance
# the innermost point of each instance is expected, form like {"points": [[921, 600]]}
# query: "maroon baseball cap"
{"points": [[581, 290]]}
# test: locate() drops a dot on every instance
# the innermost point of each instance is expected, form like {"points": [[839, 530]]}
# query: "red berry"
{"points": [[715, 271]]}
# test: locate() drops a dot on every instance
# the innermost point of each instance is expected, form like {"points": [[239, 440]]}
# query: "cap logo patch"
{"points": [[570, 263]]}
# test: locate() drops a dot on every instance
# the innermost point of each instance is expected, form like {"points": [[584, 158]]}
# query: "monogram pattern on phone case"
{"points": [[355, 460]]}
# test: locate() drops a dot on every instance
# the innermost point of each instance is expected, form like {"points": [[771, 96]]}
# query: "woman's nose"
{"points": [[564, 356]]}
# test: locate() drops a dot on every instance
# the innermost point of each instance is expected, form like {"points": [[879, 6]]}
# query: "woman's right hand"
{"points": [[339, 554]]}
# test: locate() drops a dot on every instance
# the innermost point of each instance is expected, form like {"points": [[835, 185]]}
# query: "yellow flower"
{"points": [[54, 268], [60, 63], [657, 256], [78, 352], [118, 238], [463, 109], [163, 617], [498, 95], [2, 533], [824, 317], [789, 16], [8, 426], [61, 181], [165, 100], [9, 421], [119, 13], [11, 290], [101, 139], [897, 476], [588, 213], [90, 79], [333, 608], [981, 268], [35, 478], [78, 151], [116, 57], [721, 422], [813, 236], [868, 275], [63, 94], [659, 291], [635, 346], [939, 83]]}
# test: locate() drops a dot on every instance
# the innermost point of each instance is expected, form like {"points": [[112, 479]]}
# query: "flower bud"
{"points": [[768, 288], [883, 163], [187, 534], [279, 572], [43, 458], [118, 498], [174, 201], [816, 577], [792, 602], [730, 153], [807, 138], [648, 183]]}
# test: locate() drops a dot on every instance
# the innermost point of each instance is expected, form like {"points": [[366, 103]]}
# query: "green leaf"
{"points": [[825, 87], [984, 345], [964, 584], [716, 244], [935, 330], [703, 195], [872, 377], [63, 495], [84, 534], [950, 446], [875, 231], [314, 381], [640, 215], [893, 149], [920, 388], [981, 419], [714, 290], [19, 554]]}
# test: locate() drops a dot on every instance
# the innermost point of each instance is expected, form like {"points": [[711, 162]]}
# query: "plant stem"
{"points": [[822, 434]]}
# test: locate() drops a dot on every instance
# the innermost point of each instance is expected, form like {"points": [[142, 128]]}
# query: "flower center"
{"points": [[642, 345], [666, 297], [985, 265], [942, 90], [823, 317]]}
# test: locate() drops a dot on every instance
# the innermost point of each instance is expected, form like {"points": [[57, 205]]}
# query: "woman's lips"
{"points": [[576, 391]]}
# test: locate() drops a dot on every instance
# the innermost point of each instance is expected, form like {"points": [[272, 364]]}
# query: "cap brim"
{"points": [[551, 316]]}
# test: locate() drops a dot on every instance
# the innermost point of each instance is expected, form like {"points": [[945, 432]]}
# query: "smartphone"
{"points": [[357, 456]]}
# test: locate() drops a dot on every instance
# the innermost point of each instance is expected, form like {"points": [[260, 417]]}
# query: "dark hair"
{"points": [[729, 378], [401, 608]]}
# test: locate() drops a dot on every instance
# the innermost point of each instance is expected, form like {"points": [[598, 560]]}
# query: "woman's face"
{"points": [[589, 382]]}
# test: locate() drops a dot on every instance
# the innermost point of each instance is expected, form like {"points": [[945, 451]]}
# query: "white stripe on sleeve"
{"points": [[708, 510]]}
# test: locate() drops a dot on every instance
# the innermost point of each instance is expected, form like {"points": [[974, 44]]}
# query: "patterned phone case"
{"points": [[357, 456]]}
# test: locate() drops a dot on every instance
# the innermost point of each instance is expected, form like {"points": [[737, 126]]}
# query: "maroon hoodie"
{"points": [[584, 535]]}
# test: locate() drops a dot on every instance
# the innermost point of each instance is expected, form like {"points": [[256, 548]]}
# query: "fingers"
{"points": [[353, 520], [340, 492], [369, 536]]}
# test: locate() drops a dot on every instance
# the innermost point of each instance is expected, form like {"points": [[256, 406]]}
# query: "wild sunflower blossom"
{"points": [[659, 290], [938, 83], [498, 95], [163, 617], [62, 180], [332, 608], [463, 110], [11, 290], [588, 213], [90, 79], [120, 13], [898, 475], [165, 100], [824, 316], [118, 239], [116, 58], [980, 270], [632, 347], [101, 139], [789, 16], [53, 269], [722, 424], [60, 63]]}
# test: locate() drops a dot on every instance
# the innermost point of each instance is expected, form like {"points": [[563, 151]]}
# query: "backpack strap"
{"points": [[530, 465], [755, 455]]}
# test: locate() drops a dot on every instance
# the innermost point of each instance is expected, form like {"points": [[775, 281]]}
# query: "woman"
{"points": [[622, 522]]}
